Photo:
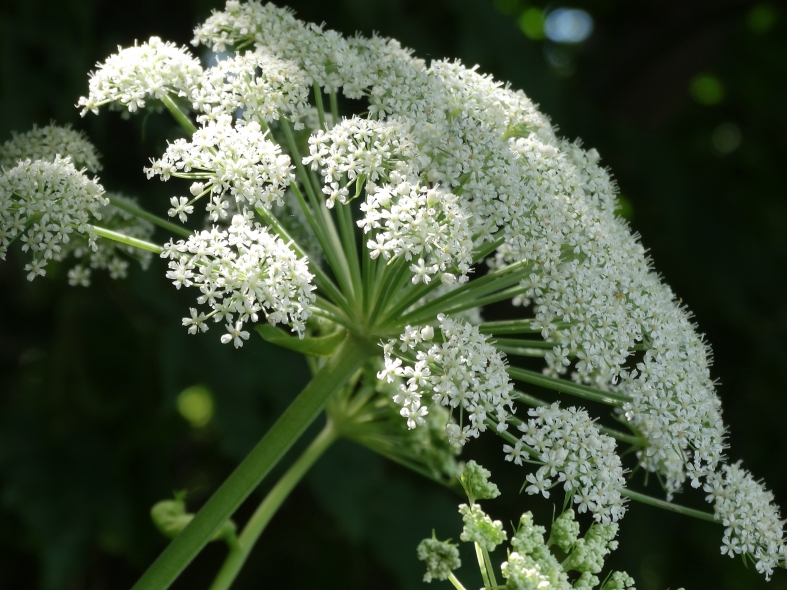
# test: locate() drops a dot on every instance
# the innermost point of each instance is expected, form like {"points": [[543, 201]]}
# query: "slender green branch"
{"points": [[469, 294], [318, 216], [490, 568], [511, 327], [350, 356], [482, 566], [262, 516], [320, 108], [686, 511], [334, 106], [181, 117], [560, 385], [457, 584], [347, 230], [127, 240], [521, 343], [322, 280], [154, 219]]}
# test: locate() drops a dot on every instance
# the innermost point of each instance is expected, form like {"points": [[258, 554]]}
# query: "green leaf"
{"points": [[320, 346]]}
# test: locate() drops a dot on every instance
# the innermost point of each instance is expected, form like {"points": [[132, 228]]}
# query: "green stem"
{"points": [[510, 327], [457, 584], [262, 516], [154, 219], [181, 117], [334, 107], [489, 569], [668, 505], [320, 108], [482, 566], [127, 240], [560, 385], [349, 357], [322, 280]]}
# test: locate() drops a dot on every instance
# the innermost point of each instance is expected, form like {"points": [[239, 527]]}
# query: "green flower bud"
{"points": [[475, 481], [441, 558]]}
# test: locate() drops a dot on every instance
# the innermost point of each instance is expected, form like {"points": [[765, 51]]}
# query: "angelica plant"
{"points": [[448, 193]]}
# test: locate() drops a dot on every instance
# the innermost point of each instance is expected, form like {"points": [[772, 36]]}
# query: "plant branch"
{"points": [[350, 356], [154, 219]]}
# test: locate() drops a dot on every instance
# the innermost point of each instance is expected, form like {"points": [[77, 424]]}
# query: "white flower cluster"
{"points": [[154, 69], [327, 58], [258, 84], [42, 204], [46, 143], [571, 450], [227, 160], [416, 220], [464, 371], [548, 198], [754, 527], [241, 272], [358, 147], [422, 224]]}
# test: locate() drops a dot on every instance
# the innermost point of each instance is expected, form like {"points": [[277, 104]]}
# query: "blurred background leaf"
{"points": [[687, 104]]}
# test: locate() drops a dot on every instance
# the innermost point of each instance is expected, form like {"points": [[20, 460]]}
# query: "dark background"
{"points": [[90, 436]]}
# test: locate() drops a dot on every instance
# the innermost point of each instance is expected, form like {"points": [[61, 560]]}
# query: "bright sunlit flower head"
{"points": [[128, 78], [242, 272]]}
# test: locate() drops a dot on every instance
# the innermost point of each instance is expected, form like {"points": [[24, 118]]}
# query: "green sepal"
{"points": [[317, 346]]}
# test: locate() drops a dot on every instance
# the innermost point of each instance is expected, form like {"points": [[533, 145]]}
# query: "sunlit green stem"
{"points": [[181, 117], [348, 358], [511, 327], [468, 295], [262, 516], [490, 569], [127, 240], [561, 385], [154, 219], [457, 584], [318, 216], [479, 553]]}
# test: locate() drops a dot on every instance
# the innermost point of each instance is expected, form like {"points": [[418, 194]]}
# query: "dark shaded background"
{"points": [[90, 436]]}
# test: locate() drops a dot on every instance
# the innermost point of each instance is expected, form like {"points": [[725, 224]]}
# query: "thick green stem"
{"points": [[349, 357], [262, 516], [154, 219], [127, 240]]}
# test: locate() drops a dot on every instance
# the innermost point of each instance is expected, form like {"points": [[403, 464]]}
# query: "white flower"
{"points": [[237, 161], [464, 372], [128, 77], [46, 143], [570, 448], [242, 271], [753, 524], [259, 84], [45, 204], [235, 335]]}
